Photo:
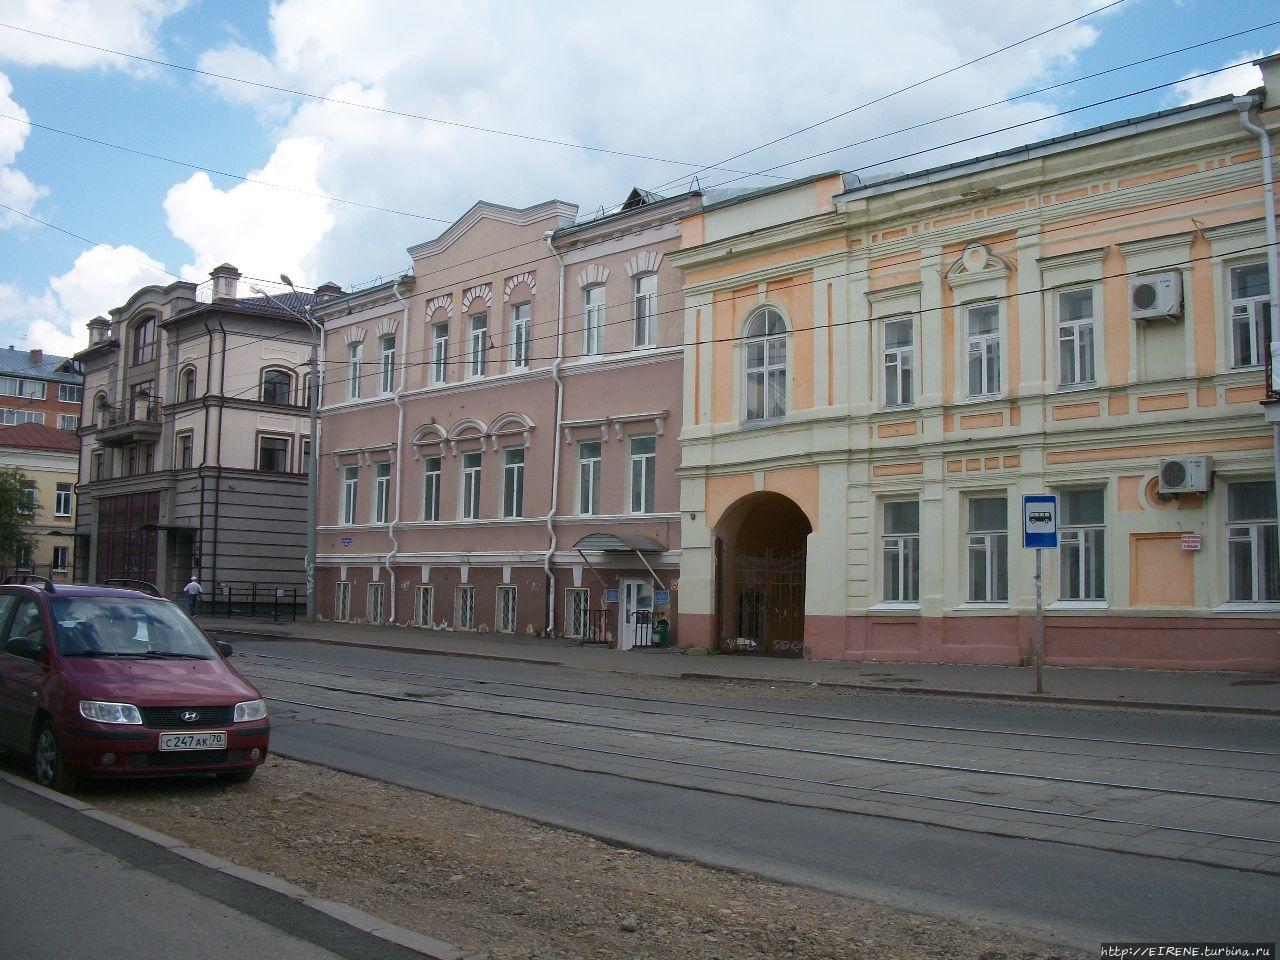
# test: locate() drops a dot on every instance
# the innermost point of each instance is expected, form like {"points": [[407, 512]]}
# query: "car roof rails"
{"points": [[28, 578], [142, 586]]}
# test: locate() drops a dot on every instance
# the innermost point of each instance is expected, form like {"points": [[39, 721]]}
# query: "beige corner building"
{"points": [[876, 374]]}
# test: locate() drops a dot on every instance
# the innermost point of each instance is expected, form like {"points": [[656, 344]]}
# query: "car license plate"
{"points": [[210, 740]]}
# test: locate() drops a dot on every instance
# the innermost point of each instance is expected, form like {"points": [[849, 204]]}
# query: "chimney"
{"points": [[226, 281], [37, 356], [327, 291], [98, 328]]}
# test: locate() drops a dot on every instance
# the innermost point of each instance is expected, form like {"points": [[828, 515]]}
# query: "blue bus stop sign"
{"points": [[1040, 521]]}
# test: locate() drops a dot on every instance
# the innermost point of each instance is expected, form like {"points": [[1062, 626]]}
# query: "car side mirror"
{"points": [[224, 648], [27, 647]]}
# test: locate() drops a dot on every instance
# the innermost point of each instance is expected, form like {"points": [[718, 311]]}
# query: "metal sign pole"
{"points": [[1039, 626]]}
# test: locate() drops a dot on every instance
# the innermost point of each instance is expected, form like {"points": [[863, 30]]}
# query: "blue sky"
{"points": [[117, 171]]}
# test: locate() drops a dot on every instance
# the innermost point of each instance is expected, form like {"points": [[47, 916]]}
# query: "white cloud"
{"points": [[101, 278], [1232, 82], [128, 26], [16, 190]]}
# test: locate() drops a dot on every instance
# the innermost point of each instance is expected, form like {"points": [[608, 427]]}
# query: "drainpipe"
{"points": [[1245, 105], [555, 444], [399, 478]]}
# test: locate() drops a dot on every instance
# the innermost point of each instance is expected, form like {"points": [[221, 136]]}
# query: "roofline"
{"points": [[655, 208], [766, 191]]}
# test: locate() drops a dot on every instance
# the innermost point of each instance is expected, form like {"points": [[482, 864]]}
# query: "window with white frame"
{"points": [[68, 421], [899, 361], [430, 488], [350, 490], [506, 600], [61, 559], [577, 602], [439, 353], [342, 601], [423, 606], [1075, 338], [470, 486], [644, 309], [765, 373], [27, 497], [900, 550], [478, 359], [374, 604], [513, 482], [982, 343], [520, 319], [988, 549], [381, 491], [18, 387], [11, 417], [1253, 558], [62, 500], [1250, 315], [354, 354], [464, 607], [593, 320], [387, 364], [644, 456], [70, 392], [273, 454], [1082, 573], [589, 478]]}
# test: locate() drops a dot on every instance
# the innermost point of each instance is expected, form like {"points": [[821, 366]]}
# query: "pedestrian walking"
{"points": [[193, 591]]}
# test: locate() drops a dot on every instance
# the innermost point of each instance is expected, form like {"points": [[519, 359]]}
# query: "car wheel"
{"points": [[47, 764], [238, 776]]}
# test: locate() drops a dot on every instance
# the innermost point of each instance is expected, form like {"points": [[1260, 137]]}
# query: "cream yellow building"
{"points": [[877, 374], [49, 460]]}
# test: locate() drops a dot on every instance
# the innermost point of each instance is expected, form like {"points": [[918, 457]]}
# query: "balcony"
{"points": [[138, 423]]}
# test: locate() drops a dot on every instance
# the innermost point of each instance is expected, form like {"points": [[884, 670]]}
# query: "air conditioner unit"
{"points": [[1155, 296], [1186, 474]]}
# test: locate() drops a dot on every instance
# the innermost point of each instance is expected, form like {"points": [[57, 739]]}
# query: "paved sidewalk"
{"points": [[1215, 691]]}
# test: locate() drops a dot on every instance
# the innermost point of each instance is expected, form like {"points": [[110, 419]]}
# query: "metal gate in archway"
{"points": [[765, 605]]}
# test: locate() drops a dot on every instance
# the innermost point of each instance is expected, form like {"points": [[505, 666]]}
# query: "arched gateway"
{"points": [[760, 576]]}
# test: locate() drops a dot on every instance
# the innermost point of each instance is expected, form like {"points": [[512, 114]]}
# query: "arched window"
{"points": [[144, 340], [765, 349], [187, 384], [277, 387]]}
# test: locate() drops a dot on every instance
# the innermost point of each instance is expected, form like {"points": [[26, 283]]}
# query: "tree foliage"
{"points": [[16, 512]]}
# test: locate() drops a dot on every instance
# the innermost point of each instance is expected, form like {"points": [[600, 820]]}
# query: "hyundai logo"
{"points": [[190, 716]]}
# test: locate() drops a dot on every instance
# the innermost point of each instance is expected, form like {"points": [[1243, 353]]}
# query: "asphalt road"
{"points": [[390, 716]]}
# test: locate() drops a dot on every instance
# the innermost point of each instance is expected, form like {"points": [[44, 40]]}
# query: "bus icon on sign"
{"points": [[1039, 518]]}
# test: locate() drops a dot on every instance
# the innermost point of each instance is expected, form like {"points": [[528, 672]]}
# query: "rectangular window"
{"points": [[479, 354], [899, 362], [464, 608], [342, 601], [350, 489], [387, 364], [593, 321], [577, 602], [1075, 338], [381, 491], [423, 606], [27, 497], [184, 451], [305, 465], [1081, 545], [17, 387], [62, 500], [430, 488], [1250, 315], [439, 352], [589, 478], [506, 613], [23, 562], [99, 465], [900, 549], [68, 421], [11, 417], [61, 559], [1253, 558], [354, 352], [470, 486], [520, 315], [141, 402], [988, 545], [513, 482], [70, 392], [982, 333], [144, 341], [643, 463], [645, 309], [374, 605], [273, 454]]}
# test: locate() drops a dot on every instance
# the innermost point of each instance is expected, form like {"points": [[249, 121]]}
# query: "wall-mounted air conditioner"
{"points": [[1155, 296], [1186, 474]]}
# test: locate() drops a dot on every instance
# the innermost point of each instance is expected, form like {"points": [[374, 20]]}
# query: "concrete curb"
{"points": [[428, 947]]}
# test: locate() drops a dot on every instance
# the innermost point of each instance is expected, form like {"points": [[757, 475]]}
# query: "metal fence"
{"points": [[252, 600]]}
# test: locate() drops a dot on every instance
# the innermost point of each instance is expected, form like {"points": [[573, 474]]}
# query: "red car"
{"points": [[107, 681]]}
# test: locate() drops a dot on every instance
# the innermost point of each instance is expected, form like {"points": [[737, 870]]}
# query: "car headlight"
{"points": [[251, 710], [110, 712]]}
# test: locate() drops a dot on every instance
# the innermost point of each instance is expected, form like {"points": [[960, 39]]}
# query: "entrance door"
{"points": [[635, 627]]}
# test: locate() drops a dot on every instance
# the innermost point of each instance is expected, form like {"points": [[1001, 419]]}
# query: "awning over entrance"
{"points": [[620, 542]]}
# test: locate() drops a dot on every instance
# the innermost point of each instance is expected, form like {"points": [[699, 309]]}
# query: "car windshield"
{"points": [[127, 627]]}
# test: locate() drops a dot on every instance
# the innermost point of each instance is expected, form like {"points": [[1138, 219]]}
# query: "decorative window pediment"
{"points": [[593, 275], [528, 279], [482, 292], [440, 303], [977, 264]]}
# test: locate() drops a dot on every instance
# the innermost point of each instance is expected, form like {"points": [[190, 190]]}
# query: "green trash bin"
{"points": [[661, 631]]}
